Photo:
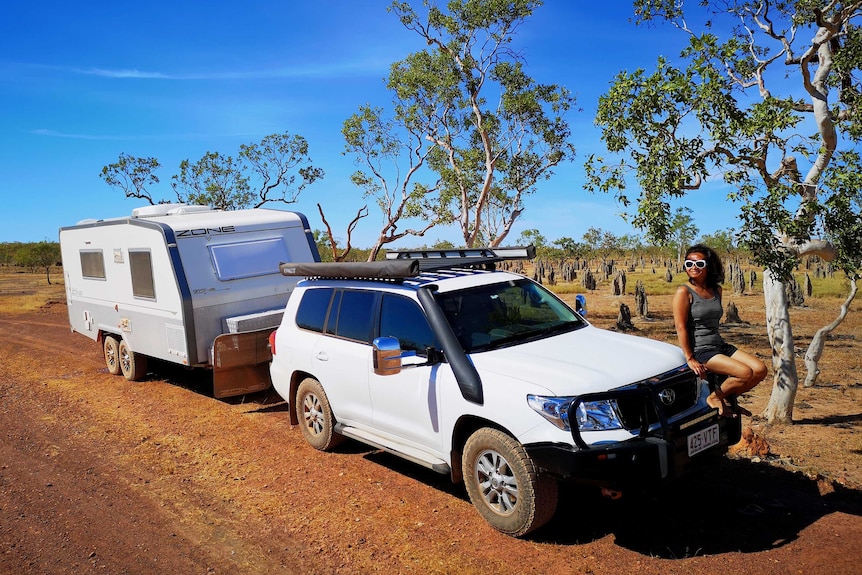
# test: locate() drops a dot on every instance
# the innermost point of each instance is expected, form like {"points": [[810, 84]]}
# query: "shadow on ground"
{"points": [[740, 507], [736, 506]]}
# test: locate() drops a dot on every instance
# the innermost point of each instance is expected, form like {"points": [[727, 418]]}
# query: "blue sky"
{"points": [[83, 82]]}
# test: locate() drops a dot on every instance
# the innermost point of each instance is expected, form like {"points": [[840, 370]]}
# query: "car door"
{"points": [[406, 405], [342, 357]]}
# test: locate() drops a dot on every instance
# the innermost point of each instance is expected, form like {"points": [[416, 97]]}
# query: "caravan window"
{"points": [[248, 259], [92, 264], [141, 265]]}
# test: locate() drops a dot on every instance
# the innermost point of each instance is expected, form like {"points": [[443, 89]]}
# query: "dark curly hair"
{"points": [[714, 267]]}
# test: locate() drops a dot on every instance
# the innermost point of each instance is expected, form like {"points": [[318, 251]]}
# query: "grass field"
{"points": [[23, 291]]}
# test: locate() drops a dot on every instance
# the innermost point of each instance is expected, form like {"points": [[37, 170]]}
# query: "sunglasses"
{"points": [[699, 264]]}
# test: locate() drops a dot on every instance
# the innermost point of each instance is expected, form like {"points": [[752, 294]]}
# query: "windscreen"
{"points": [[507, 313]]}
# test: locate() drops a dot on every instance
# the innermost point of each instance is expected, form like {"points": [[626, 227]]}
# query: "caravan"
{"points": [[185, 284]]}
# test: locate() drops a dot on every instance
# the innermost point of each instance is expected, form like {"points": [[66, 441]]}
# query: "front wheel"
{"points": [[505, 485], [315, 416], [133, 365]]}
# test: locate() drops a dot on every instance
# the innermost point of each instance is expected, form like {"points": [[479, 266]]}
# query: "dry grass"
{"points": [[22, 291]]}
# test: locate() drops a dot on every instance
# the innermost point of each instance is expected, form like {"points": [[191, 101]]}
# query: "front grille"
{"points": [[680, 386]]}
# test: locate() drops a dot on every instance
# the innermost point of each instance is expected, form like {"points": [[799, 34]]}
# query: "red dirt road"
{"points": [[100, 475]]}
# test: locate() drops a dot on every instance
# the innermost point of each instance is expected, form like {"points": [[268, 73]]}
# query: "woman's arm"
{"points": [[681, 309]]}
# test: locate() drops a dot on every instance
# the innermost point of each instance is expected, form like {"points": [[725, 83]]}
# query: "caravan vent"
{"points": [[255, 321], [168, 210]]}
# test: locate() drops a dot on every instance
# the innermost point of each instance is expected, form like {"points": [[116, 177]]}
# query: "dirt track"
{"points": [[99, 475]]}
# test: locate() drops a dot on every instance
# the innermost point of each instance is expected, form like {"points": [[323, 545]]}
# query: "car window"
{"points": [[402, 318], [312, 309], [356, 315]]}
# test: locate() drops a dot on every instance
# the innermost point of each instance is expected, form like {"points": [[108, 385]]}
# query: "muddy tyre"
{"points": [[133, 365], [505, 485], [315, 416], [111, 347]]}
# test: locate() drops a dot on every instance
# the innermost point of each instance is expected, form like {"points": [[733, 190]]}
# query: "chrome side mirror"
{"points": [[387, 356]]}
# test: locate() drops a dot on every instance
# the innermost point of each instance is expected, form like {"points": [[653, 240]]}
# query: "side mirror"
{"points": [[387, 356]]}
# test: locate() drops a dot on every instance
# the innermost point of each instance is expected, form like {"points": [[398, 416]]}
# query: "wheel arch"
{"points": [[464, 428]]}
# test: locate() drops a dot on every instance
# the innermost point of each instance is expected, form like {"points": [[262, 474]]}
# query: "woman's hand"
{"points": [[698, 368]]}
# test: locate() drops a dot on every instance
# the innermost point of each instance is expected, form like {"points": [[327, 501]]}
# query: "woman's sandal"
{"points": [[736, 408], [724, 410]]}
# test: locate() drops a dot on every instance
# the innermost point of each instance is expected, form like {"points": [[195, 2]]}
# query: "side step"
{"points": [[404, 451]]}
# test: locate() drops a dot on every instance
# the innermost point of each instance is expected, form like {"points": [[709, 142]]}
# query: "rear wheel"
{"points": [[315, 416], [504, 484], [132, 364], [112, 354]]}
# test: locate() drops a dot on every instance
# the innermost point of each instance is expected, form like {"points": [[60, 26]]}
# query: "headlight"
{"points": [[554, 409], [598, 416], [591, 415]]}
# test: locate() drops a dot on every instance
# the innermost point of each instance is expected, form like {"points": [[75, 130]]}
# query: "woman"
{"points": [[697, 310]]}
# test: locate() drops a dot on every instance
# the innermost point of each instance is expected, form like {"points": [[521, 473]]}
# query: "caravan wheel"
{"points": [[112, 354], [133, 365]]}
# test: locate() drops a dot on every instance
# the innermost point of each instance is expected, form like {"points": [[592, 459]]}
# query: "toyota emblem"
{"points": [[667, 396]]}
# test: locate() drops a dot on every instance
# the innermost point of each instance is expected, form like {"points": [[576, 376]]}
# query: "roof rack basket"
{"points": [[462, 257]]}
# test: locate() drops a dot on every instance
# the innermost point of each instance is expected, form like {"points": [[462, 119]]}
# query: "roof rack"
{"points": [[462, 257], [403, 264]]}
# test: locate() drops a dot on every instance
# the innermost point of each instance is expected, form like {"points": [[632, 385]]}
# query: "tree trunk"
{"points": [[815, 348], [785, 379]]}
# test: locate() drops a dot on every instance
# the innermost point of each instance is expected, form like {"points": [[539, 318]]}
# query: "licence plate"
{"points": [[703, 439]]}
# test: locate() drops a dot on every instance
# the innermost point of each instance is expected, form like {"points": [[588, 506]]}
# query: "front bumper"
{"points": [[659, 452], [640, 461]]}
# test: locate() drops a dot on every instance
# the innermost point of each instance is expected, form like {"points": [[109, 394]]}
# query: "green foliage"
{"points": [[215, 180], [35, 255], [377, 145], [721, 241], [488, 153], [133, 176], [711, 112], [275, 170], [602, 243], [533, 237]]}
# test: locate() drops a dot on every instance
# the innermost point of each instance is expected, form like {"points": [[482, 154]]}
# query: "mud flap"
{"points": [[241, 363]]}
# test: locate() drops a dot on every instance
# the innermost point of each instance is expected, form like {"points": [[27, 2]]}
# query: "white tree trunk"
{"points": [[815, 348], [785, 379]]}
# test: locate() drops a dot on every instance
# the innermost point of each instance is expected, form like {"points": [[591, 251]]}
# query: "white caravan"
{"points": [[185, 284]]}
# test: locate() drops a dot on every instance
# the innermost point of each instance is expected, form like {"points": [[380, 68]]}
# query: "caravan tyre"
{"points": [[133, 365], [112, 354]]}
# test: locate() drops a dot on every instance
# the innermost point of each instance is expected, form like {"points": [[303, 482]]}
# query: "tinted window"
{"points": [[141, 266], [248, 259], [356, 315], [403, 318], [312, 309], [93, 264]]}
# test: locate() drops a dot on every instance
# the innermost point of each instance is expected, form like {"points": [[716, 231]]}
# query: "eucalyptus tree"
{"points": [[132, 175], [682, 232], [765, 97], [492, 131], [383, 147], [277, 169]]}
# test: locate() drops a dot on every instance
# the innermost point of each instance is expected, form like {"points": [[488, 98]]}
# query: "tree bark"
{"points": [[815, 348], [785, 379]]}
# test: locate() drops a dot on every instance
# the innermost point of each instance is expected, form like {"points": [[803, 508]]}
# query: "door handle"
{"points": [[322, 356]]}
